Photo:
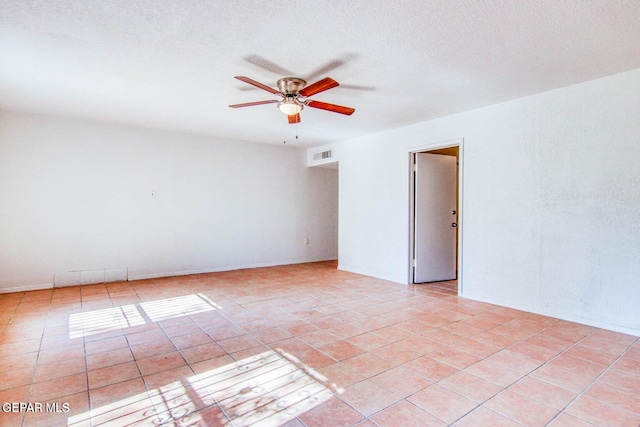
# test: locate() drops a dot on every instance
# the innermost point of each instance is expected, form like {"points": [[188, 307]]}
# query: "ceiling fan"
{"points": [[294, 93]]}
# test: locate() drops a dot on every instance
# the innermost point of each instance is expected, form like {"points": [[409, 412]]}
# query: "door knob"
{"points": [[453, 212], [453, 224]]}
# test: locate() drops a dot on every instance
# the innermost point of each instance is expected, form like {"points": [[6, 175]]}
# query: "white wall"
{"points": [[77, 195], [551, 201]]}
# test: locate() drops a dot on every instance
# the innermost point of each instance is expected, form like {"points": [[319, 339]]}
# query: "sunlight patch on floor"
{"points": [[135, 410], [108, 319], [178, 306], [267, 389]]}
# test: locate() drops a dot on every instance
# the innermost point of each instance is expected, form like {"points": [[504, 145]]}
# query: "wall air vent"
{"points": [[323, 155]]}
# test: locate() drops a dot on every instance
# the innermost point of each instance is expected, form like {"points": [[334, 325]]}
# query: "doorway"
{"points": [[322, 240], [435, 235]]}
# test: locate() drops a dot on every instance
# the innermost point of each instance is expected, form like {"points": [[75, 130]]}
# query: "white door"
{"points": [[435, 218]]}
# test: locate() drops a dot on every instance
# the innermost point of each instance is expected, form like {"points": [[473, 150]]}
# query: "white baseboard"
{"points": [[219, 269], [574, 319], [26, 288], [348, 269], [132, 277]]}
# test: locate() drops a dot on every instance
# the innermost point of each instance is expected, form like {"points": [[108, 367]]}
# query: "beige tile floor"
{"points": [[304, 345]]}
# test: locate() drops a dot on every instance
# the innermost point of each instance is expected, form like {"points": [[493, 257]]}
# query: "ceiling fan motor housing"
{"points": [[290, 85]]}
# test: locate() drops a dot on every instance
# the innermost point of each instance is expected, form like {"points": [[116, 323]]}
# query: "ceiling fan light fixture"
{"points": [[290, 106]]}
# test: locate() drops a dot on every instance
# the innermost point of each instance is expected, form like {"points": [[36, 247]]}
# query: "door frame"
{"points": [[430, 147]]}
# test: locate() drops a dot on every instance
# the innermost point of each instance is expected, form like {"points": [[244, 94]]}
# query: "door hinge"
{"points": [[413, 263], [414, 167]]}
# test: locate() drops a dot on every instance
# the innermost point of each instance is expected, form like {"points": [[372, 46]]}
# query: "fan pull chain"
{"points": [[284, 133], [284, 141]]}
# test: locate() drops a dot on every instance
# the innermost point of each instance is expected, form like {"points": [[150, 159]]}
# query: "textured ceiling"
{"points": [[170, 64]]}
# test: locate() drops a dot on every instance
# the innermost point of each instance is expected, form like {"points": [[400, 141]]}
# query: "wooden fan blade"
{"points": [[319, 86], [294, 118], [249, 104], [257, 84], [331, 107]]}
